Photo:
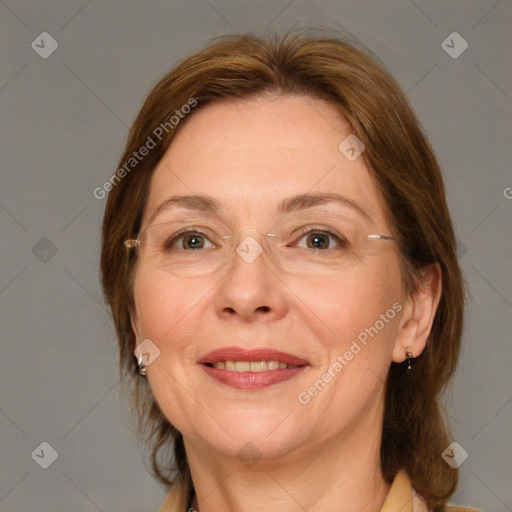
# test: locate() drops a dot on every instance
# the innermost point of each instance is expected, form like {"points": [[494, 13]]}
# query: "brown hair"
{"points": [[407, 174]]}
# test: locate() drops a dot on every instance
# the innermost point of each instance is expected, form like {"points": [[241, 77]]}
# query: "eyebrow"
{"points": [[299, 202], [196, 203], [303, 201]]}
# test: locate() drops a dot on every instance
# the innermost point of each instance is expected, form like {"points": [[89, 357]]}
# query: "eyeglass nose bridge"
{"points": [[247, 244]]}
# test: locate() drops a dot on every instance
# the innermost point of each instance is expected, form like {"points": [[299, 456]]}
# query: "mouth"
{"points": [[251, 369], [251, 366]]}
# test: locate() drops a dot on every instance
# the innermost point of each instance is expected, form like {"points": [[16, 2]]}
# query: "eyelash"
{"points": [[340, 240], [172, 240]]}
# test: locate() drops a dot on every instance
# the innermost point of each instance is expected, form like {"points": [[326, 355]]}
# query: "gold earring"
{"points": [[409, 358], [141, 367]]}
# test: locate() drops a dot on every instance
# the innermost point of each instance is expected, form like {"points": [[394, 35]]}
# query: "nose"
{"points": [[252, 289]]}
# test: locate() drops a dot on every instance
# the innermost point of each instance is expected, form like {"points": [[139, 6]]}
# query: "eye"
{"points": [[321, 239], [188, 240]]}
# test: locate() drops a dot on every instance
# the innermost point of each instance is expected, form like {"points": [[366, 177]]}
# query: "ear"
{"points": [[419, 312]]}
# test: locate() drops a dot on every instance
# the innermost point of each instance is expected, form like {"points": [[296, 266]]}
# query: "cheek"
{"points": [[166, 307], [168, 312], [355, 319], [338, 309]]}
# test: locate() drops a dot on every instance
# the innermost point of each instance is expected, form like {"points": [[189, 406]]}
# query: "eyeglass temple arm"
{"points": [[370, 237], [131, 242], [380, 237]]}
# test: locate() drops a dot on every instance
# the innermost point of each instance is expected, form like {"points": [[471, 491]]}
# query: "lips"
{"points": [[251, 369]]}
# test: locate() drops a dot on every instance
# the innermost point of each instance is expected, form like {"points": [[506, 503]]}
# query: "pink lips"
{"points": [[251, 380]]}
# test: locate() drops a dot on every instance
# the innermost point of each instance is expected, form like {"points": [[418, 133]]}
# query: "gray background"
{"points": [[64, 123]]}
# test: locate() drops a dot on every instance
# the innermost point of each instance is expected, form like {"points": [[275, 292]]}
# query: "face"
{"points": [[333, 326]]}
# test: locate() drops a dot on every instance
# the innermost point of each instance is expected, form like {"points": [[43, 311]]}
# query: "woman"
{"points": [[279, 256]]}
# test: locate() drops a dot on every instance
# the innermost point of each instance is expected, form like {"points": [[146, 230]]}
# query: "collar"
{"points": [[401, 497]]}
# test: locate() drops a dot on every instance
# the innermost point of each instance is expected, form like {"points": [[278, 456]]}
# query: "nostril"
{"points": [[265, 309]]}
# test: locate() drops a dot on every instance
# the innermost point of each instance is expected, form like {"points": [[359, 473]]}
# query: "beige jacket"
{"points": [[401, 498]]}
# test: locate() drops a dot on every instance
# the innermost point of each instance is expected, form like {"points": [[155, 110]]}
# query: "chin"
{"points": [[267, 435]]}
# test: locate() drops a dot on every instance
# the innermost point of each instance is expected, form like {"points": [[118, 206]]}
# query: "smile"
{"points": [[251, 369], [251, 366]]}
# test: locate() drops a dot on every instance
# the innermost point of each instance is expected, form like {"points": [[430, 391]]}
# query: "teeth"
{"points": [[252, 366], [259, 366], [242, 366]]}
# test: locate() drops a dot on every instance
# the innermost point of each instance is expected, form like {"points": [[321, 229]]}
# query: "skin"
{"points": [[324, 455]]}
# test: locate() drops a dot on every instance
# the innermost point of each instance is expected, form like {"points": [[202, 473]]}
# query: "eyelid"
{"points": [[315, 227]]}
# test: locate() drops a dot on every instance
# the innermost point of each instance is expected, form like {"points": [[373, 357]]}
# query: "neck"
{"points": [[342, 473]]}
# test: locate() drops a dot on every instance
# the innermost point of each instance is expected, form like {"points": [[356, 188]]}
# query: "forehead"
{"points": [[252, 154]]}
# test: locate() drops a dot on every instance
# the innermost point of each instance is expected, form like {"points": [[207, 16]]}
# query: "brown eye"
{"points": [[321, 240], [188, 241], [317, 241], [193, 242]]}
